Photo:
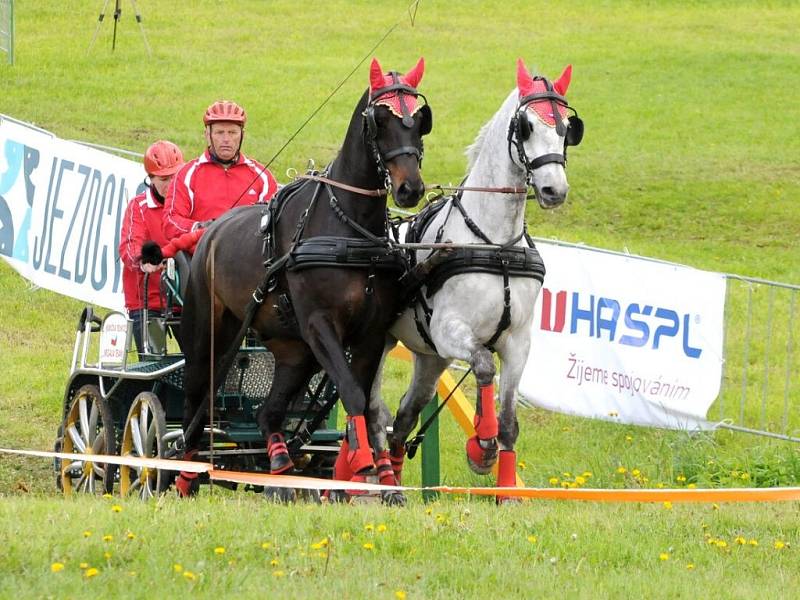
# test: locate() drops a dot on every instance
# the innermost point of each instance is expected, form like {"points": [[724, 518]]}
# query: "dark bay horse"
{"points": [[330, 287]]}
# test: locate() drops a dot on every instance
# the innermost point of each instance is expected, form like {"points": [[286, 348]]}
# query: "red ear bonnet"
{"points": [[378, 80], [561, 84], [543, 109]]}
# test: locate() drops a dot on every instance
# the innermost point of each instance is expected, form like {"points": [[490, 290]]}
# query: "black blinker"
{"points": [[574, 131]]}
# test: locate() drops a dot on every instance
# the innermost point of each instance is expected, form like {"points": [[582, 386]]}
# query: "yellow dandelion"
{"points": [[400, 595], [521, 464], [274, 562], [91, 572], [745, 476], [381, 528], [532, 539], [572, 485], [130, 535], [690, 567], [553, 481], [346, 534], [440, 518], [580, 480], [107, 496], [663, 556], [711, 540], [87, 533], [278, 573], [668, 505], [84, 565], [56, 567], [320, 544], [779, 545], [177, 568], [368, 546], [108, 538], [622, 470], [636, 473], [219, 550], [189, 575], [565, 484], [704, 526], [266, 545], [369, 527], [586, 474], [680, 478], [715, 506], [753, 543], [740, 540], [628, 438], [721, 544], [692, 486], [107, 555], [734, 473], [660, 485], [116, 508], [566, 474]]}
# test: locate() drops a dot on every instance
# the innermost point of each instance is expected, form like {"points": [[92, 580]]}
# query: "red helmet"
{"points": [[225, 110], [163, 159]]}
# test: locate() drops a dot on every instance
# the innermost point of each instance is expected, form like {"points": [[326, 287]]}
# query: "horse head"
{"points": [[395, 119], [541, 130]]}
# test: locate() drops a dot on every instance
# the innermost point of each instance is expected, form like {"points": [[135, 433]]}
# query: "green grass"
{"points": [[690, 155]]}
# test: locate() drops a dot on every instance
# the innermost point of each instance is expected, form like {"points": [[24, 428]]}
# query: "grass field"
{"points": [[690, 154]]}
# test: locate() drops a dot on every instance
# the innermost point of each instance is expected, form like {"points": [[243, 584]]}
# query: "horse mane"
{"points": [[473, 151]]}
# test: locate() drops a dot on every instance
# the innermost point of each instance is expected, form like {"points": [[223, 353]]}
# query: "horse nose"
{"points": [[408, 193], [550, 196]]}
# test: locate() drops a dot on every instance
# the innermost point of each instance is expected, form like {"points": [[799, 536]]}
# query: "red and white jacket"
{"points": [[141, 223], [203, 189]]}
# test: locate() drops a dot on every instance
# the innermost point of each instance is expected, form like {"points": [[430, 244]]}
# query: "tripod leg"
{"points": [[99, 23], [117, 17], [141, 27]]}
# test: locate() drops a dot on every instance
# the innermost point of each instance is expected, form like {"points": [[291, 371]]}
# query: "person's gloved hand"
{"points": [[148, 268], [201, 224]]}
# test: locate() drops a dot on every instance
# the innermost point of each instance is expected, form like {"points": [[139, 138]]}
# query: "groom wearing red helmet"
{"points": [[142, 223], [220, 179]]}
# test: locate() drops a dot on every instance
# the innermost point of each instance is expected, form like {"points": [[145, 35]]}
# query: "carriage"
{"points": [[117, 405]]}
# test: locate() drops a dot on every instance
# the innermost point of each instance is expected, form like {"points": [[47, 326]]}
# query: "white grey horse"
{"points": [[469, 307]]}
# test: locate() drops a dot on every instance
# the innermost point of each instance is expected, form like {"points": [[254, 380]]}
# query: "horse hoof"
{"points": [[507, 500], [393, 499], [337, 497], [280, 495], [481, 454]]}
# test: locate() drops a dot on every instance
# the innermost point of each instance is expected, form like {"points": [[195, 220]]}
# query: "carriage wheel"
{"points": [[143, 436], [88, 429]]}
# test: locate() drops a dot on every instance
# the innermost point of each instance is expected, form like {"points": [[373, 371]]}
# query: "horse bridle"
{"points": [[371, 127], [519, 130]]}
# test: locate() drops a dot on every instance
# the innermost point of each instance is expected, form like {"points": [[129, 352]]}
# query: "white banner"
{"points": [[61, 204], [626, 339]]}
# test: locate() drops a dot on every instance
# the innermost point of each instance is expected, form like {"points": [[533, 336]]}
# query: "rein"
{"points": [[344, 186], [464, 188]]}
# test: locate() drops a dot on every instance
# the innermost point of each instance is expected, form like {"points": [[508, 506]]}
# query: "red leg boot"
{"points": [[359, 454], [187, 482], [506, 473], [482, 447], [341, 472], [279, 459], [397, 456]]}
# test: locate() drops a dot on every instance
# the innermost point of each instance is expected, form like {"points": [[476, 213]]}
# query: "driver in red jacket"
{"points": [[220, 179], [142, 223]]}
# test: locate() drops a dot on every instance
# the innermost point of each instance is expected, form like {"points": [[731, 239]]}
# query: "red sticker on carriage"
{"points": [[113, 330]]}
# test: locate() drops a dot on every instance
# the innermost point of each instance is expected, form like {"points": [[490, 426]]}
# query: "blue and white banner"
{"points": [[61, 205], [626, 339]]}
